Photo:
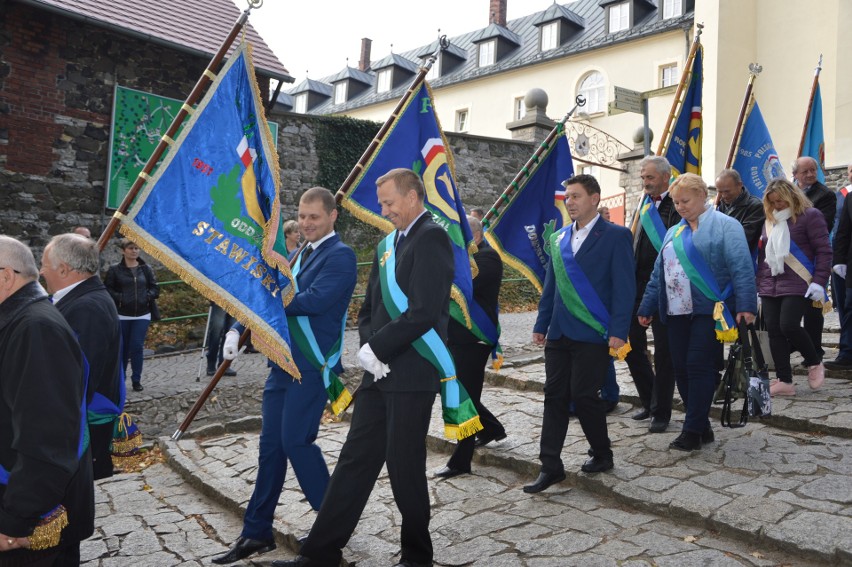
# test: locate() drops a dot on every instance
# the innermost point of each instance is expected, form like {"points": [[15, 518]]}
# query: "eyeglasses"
{"points": [[8, 268]]}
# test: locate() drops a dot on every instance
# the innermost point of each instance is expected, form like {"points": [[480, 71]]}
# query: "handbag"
{"points": [[763, 339], [759, 399], [735, 380]]}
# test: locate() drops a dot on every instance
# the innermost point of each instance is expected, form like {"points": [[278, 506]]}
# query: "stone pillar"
{"points": [[629, 179], [535, 125]]}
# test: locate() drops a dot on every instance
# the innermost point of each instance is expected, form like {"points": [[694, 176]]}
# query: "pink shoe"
{"points": [[779, 388], [816, 375]]}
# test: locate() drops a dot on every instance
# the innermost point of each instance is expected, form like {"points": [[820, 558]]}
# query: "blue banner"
{"points": [[521, 231], [684, 149], [415, 141], [814, 139], [212, 215], [755, 159]]}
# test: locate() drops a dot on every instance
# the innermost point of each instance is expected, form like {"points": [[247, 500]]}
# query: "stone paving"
{"points": [[776, 492]]}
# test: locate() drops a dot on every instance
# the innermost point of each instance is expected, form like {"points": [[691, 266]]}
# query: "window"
{"points": [[668, 75], [592, 170], [383, 80], [550, 36], [340, 92], [486, 53], [593, 88], [619, 17], [461, 120], [301, 103], [434, 70], [520, 108], [672, 9]]}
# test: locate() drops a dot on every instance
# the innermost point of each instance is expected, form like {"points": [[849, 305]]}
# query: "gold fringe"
{"points": [[342, 402], [210, 74], [622, 352], [463, 430], [127, 462], [168, 140], [497, 363], [457, 296], [123, 445], [48, 531], [514, 262], [727, 336], [188, 109]]}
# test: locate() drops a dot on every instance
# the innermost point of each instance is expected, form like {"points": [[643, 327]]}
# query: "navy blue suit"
{"points": [[292, 409], [576, 356]]}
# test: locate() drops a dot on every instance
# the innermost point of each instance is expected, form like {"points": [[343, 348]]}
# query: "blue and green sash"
{"points": [[701, 276], [303, 335], [577, 292], [460, 417], [652, 223], [804, 268]]}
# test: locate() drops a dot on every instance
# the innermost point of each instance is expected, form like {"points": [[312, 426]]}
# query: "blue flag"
{"points": [[755, 158], [522, 229], [684, 149], [415, 141], [814, 139], [211, 213]]}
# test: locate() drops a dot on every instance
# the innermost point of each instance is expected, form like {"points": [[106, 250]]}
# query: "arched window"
{"points": [[592, 87]]}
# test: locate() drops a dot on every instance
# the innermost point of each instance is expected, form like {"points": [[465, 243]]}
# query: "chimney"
{"points": [[364, 62], [497, 12]]}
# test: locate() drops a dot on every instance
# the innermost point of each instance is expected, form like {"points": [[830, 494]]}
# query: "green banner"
{"points": [[139, 121]]}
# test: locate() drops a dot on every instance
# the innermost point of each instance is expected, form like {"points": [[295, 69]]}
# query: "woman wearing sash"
{"points": [[794, 263], [702, 275]]}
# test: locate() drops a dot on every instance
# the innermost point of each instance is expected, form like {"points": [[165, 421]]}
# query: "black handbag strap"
{"points": [[730, 377]]}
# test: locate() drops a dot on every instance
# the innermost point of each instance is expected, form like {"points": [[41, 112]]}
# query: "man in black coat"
{"points": [[842, 244], [655, 385], [394, 402], [805, 174], [738, 203], [69, 266], [42, 380]]}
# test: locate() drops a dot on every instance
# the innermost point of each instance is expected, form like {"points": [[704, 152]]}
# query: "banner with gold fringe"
{"points": [[211, 214]]}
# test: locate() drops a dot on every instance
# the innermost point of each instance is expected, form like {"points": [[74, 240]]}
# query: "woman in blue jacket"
{"points": [[704, 261]]}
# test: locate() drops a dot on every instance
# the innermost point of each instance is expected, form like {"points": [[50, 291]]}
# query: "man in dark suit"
{"points": [[824, 199], [325, 277], [591, 270], [655, 385], [470, 353], [842, 243], [394, 401], [69, 266]]}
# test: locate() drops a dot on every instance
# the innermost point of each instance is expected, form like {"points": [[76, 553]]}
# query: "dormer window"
{"points": [[487, 51], [618, 17], [672, 9], [340, 92], [549, 36], [383, 80], [300, 103]]}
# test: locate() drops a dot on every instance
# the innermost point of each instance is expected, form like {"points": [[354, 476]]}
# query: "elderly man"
{"points": [[738, 203], [43, 463], [69, 266], [805, 174], [656, 214]]}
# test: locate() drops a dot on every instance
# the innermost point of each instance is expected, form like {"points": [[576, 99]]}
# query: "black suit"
{"points": [[655, 386], [825, 200], [91, 312], [391, 417]]}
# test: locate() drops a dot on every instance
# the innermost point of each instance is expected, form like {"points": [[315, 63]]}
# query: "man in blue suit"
{"points": [[585, 311], [325, 276]]}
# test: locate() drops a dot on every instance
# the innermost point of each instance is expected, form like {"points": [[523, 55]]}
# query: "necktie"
{"points": [[400, 238], [657, 199], [307, 253]]}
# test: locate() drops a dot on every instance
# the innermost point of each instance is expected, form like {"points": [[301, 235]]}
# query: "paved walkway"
{"points": [[776, 492]]}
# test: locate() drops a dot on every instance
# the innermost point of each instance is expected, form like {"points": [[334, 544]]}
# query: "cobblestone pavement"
{"points": [[776, 492]]}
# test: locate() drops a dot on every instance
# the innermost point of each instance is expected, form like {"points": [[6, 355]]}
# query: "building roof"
{"points": [[173, 23], [351, 73], [588, 16], [394, 59], [492, 31], [321, 87]]}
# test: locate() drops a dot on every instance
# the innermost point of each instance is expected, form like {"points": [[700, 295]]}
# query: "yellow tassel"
{"points": [[727, 336], [463, 430], [342, 402], [497, 363], [49, 530], [622, 352]]}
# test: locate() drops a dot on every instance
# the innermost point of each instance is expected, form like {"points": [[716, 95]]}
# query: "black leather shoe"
{"points": [[543, 481], [242, 548], [686, 442], [210, 372], [137, 387], [657, 425], [230, 372], [483, 440], [597, 464], [838, 364], [407, 563], [641, 414], [298, 561], [610, 406], [707, 436], [449, 472]]}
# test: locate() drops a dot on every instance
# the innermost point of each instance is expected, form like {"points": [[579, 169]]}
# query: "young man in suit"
{"points": [[394, 401], [585, 311], [292, 409]]}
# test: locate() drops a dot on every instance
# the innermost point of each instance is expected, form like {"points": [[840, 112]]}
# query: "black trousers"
{"points": [[100, 440], [575, 371], [783, 316], [470, 362], [655, 389], [814, 321], [387, 427]]}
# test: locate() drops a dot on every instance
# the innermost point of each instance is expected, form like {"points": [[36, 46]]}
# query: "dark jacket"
{"points": [[132, 290], [843, 240], [825, 200], [486, 292], [41, 394], [644, 251], [748, 210], [424, 271], [810, 234]]}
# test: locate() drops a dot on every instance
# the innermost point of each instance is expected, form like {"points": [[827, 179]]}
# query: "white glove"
{"points": [[840, 270], [230, 349], [371, 364], [815, 292]]}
